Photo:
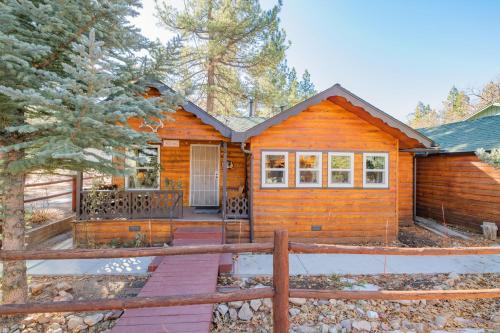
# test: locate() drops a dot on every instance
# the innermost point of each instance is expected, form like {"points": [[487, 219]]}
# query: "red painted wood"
{"points": [[178, 275]]}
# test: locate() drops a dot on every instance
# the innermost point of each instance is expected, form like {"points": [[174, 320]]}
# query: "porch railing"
{"points": [[137, 204], [237, 207]]}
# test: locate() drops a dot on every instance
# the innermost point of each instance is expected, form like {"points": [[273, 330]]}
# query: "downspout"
{"points": [[250, 189]]}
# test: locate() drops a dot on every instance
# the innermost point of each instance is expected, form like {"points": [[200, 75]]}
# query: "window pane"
{"points": [[309, 177], [340, 177], [375, 177], [275, 161], [144, 178], [341, 162], [375, 162], [147, 156], [308, 162], [275, 177]]}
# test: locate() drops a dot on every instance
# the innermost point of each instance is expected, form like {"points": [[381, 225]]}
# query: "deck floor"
{"points": [[178, 275]]}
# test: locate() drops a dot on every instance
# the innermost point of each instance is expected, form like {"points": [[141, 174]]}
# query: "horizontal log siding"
{"points": [[405, 189], [175, 166], [345, 215], [467, 189], [157, 231]]}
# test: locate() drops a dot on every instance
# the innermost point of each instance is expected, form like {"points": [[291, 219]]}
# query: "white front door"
{"points": [[204, 188]]}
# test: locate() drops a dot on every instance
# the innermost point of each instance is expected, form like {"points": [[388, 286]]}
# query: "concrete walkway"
{"points": [[325, 264]]}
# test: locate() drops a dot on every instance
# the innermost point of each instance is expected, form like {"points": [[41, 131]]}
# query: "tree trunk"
{"points": [[14, 283], [210, 68]]}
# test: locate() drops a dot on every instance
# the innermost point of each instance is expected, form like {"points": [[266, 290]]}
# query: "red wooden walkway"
{"points": [[178, 275]]}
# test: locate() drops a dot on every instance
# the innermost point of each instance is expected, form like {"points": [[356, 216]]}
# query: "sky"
{"points": [[390, 53]]}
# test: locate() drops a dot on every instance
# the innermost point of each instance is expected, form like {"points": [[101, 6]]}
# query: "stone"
{"points": [[453, 276], [324, 328], [360, 311], [112, 315], [323, 302], [374, 325], [372, 315], [306, 329], [37, 288], [361, 325], [395, 324], [267, 303], [407, 324], [420, 328], [63, 296], [93, 319], [255, 304], [44, 318], [235, 304], [222, 309], [245, 312], [440, 321], [332, 329], [462, 321], [347, 324], [233, 314], [63, 285], [385, 326], [293, 311], [404, 302], [28, 320], [298, 301], [74, 322], [496, 317]]}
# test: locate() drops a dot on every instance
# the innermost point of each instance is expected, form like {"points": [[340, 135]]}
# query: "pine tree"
{"points": [[225, 42], [306, 87], [456, 107], [64, 100], [423, 116]]}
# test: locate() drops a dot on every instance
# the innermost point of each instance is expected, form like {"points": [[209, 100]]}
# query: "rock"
{"points": [[396, 324], [63, 285], [298, 301], [306, 329], [93, 319], [450, 282], [361, 325], [235, 304], [462, 321], [496, 317], [37, 288], [374, 325], [332, 329], [385, 326], [255, 304], [44, 318], [372, 315], [74, 322], [63, 297], [347, 324], [222, 308], [267, 303], [407, 324], [57, 330], [29, 320], [440, 321], [293, 311], [404, 302], [360, 311], [420, 328], [245, 312], [112, 315], [257, 286], [324, 328], [453, 276], [323, 302], [233, 314]]}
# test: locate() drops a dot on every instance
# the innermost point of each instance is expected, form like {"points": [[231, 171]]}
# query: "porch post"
{"points": [[78, 189], [224, 180]]}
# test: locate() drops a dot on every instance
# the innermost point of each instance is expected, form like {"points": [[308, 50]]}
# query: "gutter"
{"points": [[250, 189]]}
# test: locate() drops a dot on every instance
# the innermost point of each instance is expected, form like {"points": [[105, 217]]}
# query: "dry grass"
{"points": [[43, 215]]}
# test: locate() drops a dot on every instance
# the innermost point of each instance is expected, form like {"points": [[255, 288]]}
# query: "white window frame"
{"points": [[298, 169], [350, 170], [264, 169], [135, 168], [385, 184]]}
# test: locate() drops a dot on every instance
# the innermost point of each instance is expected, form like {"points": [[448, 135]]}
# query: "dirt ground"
{"points": [[415, 236]]}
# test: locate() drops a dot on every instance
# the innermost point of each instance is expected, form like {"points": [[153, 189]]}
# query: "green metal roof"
{"points": [[466, 136], [240, 123]]}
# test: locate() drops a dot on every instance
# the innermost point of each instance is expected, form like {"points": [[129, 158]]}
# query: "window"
{"points": [[375, 169], [274, 169], [340, 169], [308, 172], [146, 170]]}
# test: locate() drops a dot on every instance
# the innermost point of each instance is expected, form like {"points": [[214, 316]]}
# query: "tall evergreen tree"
{"points": [[456, 106], [225, 42], [423, 116], [63, 97]]}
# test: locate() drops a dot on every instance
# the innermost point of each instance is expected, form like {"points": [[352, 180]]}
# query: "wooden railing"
{"points": [[280, 291], [136, 204]]}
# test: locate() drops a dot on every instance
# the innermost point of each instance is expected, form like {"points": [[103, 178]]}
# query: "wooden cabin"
{"points": [[332, 169], [453, 185]]}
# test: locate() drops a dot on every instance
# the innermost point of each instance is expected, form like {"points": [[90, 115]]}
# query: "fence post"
{"points": [[73, 193], [280, 282]]}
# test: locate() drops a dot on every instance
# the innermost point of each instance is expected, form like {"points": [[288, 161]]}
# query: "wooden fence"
{"points": [[280, 291]]}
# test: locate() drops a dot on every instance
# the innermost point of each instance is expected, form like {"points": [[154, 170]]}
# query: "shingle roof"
{"points": [[240, 123], [466, 136]]}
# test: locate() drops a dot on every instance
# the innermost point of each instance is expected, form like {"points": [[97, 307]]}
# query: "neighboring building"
{"points": [[490, 110], [332, 169], [455, 183]]}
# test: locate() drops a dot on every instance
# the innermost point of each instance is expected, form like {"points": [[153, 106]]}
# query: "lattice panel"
{"points": [[237, 207], [104, 204]]}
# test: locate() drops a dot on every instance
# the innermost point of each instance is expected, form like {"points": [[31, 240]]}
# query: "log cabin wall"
{"points": [[405, 189], [344, 214], [467, 189]]}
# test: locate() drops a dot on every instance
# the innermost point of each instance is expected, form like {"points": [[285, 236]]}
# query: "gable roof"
{"points": [[353, 100], [190, 107], [241, 123], [490, 110], [467, 135]]}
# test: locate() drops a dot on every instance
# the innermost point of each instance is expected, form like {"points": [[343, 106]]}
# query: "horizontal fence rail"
{"points": [[280, 291]]}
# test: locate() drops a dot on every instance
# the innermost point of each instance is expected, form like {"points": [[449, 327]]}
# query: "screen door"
{"points": [[204, 188]]}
